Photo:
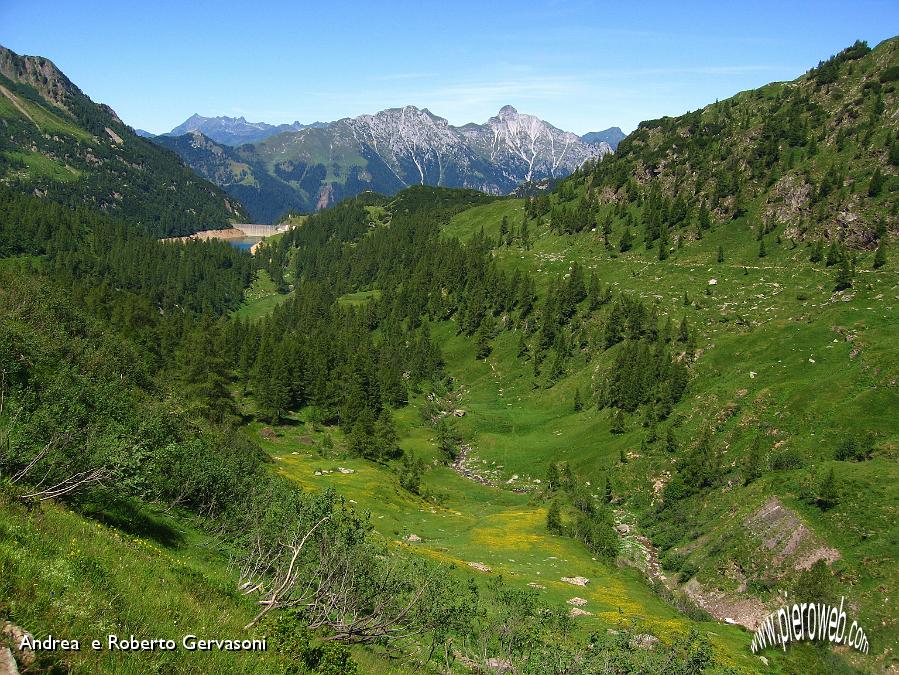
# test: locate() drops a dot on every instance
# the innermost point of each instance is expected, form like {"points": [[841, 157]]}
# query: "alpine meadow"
{"points": [[395, 395]]}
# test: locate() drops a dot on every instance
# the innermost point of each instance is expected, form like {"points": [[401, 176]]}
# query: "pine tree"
{"points": [[833, 254], [876, 184], [553, 478], [607, 496], [359, 441], [817, 252], [503, 230], [828, 493], [627, 240], [410, 472], [385, 435], [844, 275], [617, 425], [663, 242], [721, 254], [880, 256], [578, 404], [762, 251], [554, 518], [683, 332], [522, 346], [705, 220], [670, 440], [483, 335], [448, 439], [894, 153], [525, 234], [607, 227]]}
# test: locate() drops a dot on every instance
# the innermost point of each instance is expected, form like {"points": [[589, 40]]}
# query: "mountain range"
{"points": [[317, 166], [236, 130]]}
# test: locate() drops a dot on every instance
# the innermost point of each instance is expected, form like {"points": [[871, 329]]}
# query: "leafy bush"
{"points": [[854, 449]]}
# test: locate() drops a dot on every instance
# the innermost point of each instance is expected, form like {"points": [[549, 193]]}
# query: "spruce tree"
{"points": [[553, 478], [705, 220], [663, 243], [410, 472], [894, 153], [817, 252], [833, 254], [607, 496], [683, 332], [522, 346], [721, 254], [578, 404], [670, 440], [828, 493], [385, 435], [876, 184], [762, 251], [627, 240], [844, 275], [554, 518], [617, 424]]}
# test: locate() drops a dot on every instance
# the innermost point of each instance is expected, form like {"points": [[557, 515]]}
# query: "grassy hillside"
{"points": [[60, 145], [674, 375], [782, 358]]}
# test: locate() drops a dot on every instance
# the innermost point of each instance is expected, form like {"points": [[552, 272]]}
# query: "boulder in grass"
{"points": [[576, 581], [481, 567], [413, 538], [577, 602], [577, 611]]}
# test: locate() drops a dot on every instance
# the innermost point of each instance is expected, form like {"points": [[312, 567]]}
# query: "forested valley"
{"points": [[399, 436]]}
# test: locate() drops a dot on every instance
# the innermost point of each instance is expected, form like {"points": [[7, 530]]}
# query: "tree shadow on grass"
{"points": [[132, 517]]}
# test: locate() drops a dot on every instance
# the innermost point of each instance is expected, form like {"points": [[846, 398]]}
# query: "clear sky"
{"points": [[583, 66]]}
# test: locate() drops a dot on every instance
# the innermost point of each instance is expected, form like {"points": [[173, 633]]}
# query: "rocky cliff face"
{"points": [[386, 152]]}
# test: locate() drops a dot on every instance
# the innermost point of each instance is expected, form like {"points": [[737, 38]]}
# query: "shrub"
{"points": [[786, 459]]}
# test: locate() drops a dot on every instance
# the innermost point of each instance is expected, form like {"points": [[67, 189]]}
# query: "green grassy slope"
{"points": [[60, 145]]}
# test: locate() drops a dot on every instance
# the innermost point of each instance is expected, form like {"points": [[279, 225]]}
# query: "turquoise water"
{"points": [[245, 243]]}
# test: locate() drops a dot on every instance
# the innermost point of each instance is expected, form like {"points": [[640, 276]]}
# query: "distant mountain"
{"points": [[59, 145], [236, 130], [314, 167], [613, 136], [144, 134]]}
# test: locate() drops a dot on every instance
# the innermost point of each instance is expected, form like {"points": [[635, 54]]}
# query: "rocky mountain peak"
{"points": [[41, 74]]}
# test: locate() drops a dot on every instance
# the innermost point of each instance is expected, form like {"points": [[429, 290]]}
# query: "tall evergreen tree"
{"points": [[844, 275], [876, 185], [627, 240]]}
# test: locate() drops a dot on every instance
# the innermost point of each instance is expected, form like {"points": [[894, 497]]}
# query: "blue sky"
{"points": [[582, 66]]}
